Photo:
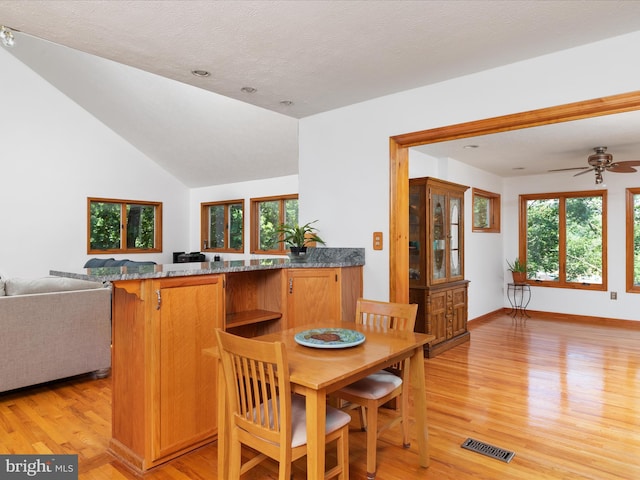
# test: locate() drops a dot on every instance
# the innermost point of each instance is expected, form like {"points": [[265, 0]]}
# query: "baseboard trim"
{"points": [[487, 316], [564, 317]]}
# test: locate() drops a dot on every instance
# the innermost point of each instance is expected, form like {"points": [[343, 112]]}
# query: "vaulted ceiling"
{"points": [[129, 64]]}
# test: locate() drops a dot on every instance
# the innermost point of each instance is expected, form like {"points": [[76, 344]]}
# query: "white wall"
{"points": [[54, 155], [234, 191], [344, 156]]}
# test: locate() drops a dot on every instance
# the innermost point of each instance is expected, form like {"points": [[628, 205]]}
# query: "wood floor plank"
{"points": [[563, 395]]}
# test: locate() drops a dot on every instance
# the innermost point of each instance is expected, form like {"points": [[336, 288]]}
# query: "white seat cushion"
{"points": [[376, 385], [335, 419]]}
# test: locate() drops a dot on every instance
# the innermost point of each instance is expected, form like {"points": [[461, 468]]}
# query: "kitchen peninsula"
{"points": [[164, 390]]}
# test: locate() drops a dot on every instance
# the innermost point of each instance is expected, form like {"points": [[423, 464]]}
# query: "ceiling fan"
{"points": [[601, 161]]}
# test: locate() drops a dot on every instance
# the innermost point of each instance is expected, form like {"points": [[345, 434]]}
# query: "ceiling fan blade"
{"points": [[565, 169], [624, 167], [618, 168], [586, 171]]}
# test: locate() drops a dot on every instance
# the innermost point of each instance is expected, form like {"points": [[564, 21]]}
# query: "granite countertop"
{"points": [[317, 258]]}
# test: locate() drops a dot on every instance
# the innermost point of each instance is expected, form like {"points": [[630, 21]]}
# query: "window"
{"points": [[633, 240], [123, 226], [486, 211], [266, 215], [222, 226], [563, 239]]}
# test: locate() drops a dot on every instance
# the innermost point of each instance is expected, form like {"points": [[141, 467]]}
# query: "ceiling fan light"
{"points": [[599, 178], [6, 36]]}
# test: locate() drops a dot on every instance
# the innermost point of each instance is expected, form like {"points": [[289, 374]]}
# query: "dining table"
{"points": [[318, 370]]}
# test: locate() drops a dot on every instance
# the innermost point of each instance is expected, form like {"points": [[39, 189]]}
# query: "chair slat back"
{"points": [[257, 383], [387, 315]]}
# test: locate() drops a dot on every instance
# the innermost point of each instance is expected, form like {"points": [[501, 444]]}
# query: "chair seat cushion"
{"points": [[335, 419], [374, 386]]}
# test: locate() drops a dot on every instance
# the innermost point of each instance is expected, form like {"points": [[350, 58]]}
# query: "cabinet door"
{"points": [[438, 256], [313, 294], [188, 311], [437, 316], [455, 237], [417, 234], [459, 311]]}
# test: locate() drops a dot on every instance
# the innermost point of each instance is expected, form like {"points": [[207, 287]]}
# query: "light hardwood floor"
{"points": [[564, 396]]}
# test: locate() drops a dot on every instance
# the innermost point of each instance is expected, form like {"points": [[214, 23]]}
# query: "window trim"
{"points": [[494, 210], [204, 225], [562, 196], [157, 229], [630, 231], [255, 225]]}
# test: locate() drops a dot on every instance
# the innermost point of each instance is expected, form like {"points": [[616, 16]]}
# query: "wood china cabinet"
{"points": [[436, 261]]}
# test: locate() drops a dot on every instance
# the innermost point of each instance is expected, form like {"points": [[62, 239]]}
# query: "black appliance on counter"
{"points": [[182, 257]]}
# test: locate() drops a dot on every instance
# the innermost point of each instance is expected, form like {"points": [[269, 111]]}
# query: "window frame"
{"points": [[205, 225], [255, 223], [157, 227], [630, 234], [494, 201], [562, 197]]}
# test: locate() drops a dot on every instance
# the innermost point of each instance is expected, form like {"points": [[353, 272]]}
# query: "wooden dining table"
{"points": [[316, 372]]}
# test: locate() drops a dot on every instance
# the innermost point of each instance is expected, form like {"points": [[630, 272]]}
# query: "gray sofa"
{"points": [[53, 328]]}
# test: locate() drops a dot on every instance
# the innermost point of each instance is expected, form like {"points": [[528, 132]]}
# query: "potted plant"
{"points": [[518, 270], [298, 238]]}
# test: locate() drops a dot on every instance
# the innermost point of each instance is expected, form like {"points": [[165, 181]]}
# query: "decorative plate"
{"points": [[329, 338]]}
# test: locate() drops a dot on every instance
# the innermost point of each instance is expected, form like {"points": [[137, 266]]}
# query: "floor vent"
{"points": [[488, 450]]}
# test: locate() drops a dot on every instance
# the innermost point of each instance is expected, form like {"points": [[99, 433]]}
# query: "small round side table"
{"points": [[519, 295]]}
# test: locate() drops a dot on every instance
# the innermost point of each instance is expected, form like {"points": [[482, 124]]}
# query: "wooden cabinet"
{"points": [[319, 294], [436, 261], [442, 311], [164, 389]]}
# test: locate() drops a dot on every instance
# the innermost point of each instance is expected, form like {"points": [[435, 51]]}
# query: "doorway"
{"points": [[399, 165]]}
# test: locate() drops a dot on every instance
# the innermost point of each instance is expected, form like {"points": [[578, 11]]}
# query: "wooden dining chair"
{"points": [[264, 415], [373, 391]]}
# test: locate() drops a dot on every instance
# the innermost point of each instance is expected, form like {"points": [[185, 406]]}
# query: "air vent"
{"points": [[488, 450]]}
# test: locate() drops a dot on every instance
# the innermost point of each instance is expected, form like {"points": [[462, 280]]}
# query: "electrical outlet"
{"points": [[377, 240], [614, 295]]}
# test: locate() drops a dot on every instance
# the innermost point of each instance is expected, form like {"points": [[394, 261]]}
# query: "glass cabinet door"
{"points": [[416, 234], [438, 234], [454, 236]]}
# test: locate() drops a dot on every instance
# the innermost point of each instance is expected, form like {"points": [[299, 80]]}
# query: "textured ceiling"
{"points": [[320, 55]]}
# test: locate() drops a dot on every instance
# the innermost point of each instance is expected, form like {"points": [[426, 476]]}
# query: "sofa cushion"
{"points": [[134, 263], [96, 262], [19, 286], [112, 262]]}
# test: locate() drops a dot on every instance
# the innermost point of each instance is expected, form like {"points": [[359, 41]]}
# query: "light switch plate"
{"points": [[377, 240]]}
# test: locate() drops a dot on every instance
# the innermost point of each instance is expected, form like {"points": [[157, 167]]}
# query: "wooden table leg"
{"points": [[316, 402], [223, 427], [420, 405]]}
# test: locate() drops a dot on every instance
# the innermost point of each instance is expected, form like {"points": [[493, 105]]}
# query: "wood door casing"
{"points": [[399, 164]]}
